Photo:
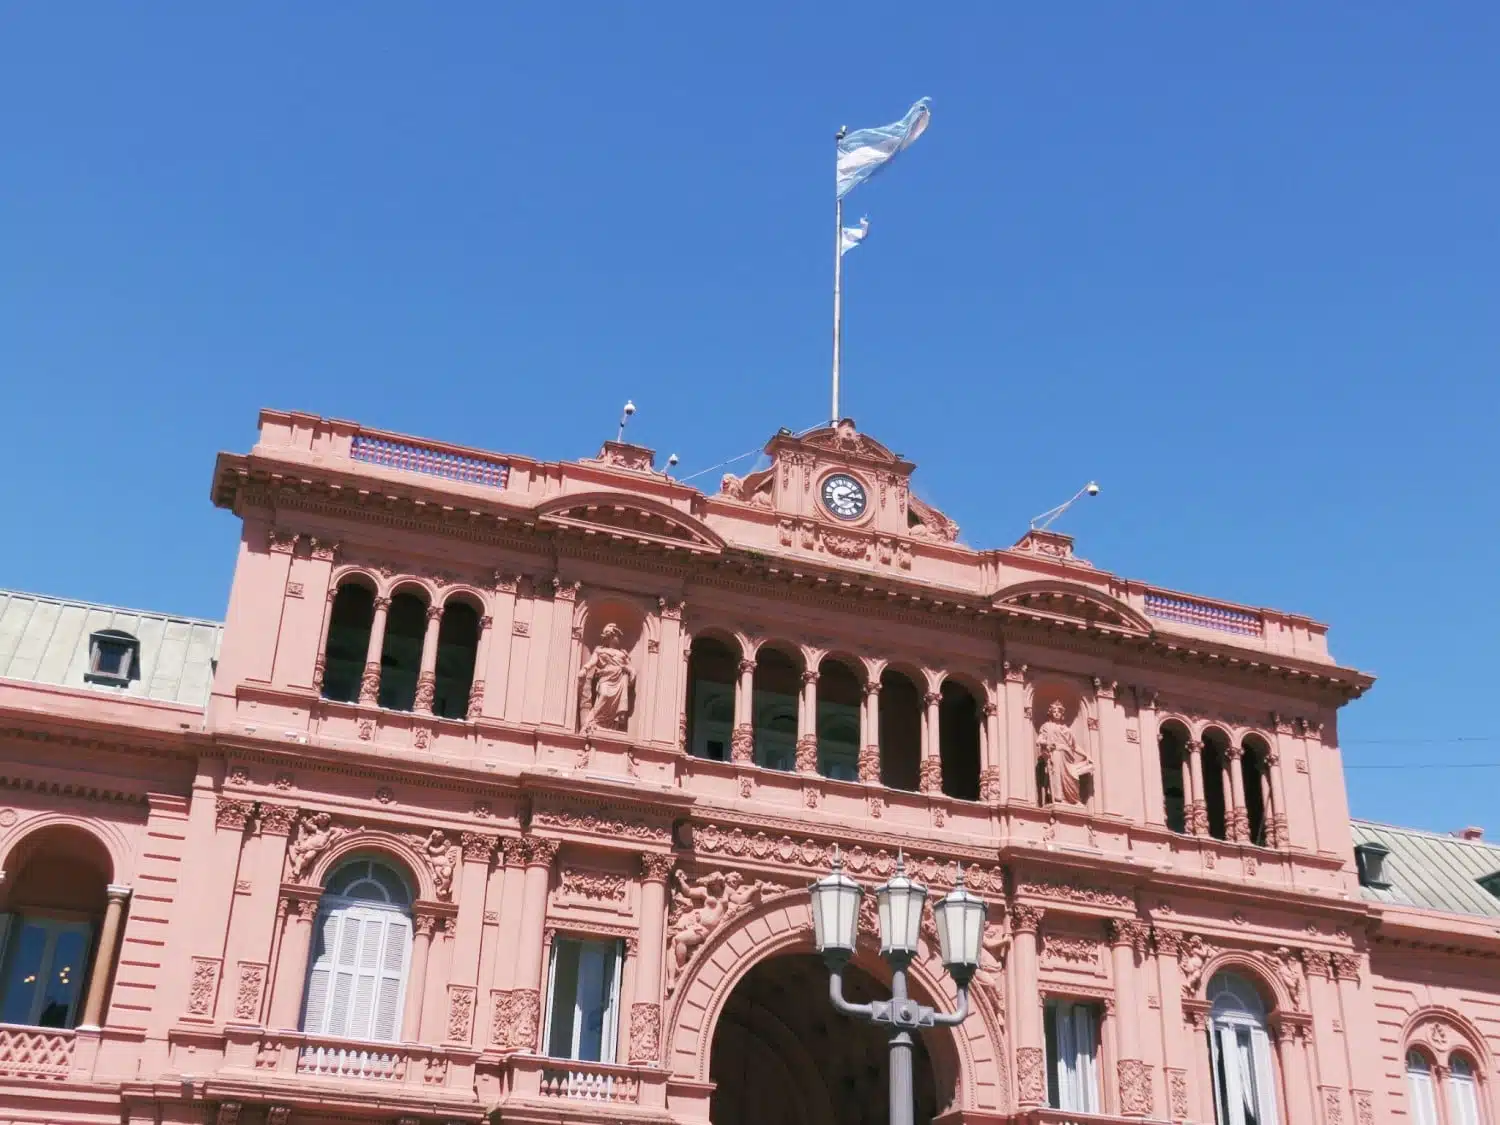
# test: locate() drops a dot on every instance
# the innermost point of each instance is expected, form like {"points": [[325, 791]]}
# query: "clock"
{"points": [[844, 496]]}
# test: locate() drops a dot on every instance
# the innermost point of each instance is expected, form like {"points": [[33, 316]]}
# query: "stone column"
{"points": [[104, 956], [1328, 1056], [645, 1009], [369, 684], [477, 850], [932, 762], [807, 724], [742, 740], [1238, 819], [540, 852], [1137, 1092], [1169, 981], [1296, 1086], [504, 999], [426, 675], [1020, 736], [869, 734], [1197, 809], [1150, 735], [991, 768], [475, 706], [1031, 1053], [416, 984], [291, 964], [1277, 834]]}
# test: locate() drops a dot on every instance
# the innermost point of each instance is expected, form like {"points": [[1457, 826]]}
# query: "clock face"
{"points": [[844, 496]]}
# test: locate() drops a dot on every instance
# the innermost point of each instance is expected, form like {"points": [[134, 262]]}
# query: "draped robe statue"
{"points": [[606, 683], [1066, 763]]}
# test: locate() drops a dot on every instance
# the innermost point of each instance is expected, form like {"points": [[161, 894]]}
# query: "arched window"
{"points": [[401, 654], [712, 669], [1172, 748], [958, 741], [900, 732], [1215, 760], [1240, 1050], [773, 709], [1419, 1086], [839, 696], [458, 645], [356, 983], [348, 641], [1463, 1092]]}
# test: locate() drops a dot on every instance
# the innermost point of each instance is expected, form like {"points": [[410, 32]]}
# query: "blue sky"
{"points": [[1236, 262]]}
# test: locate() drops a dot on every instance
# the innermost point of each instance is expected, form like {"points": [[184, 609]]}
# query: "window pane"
{"points": [[592, 983], [564, 994], [64, 976], [22, 977]]}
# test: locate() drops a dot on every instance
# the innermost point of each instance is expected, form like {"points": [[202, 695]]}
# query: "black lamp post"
{"points": [[960, 926]]}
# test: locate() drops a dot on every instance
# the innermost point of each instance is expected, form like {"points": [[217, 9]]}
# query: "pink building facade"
{"points": [[498, 793]]}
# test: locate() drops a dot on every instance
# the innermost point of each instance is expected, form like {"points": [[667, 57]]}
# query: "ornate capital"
{"points": [[1127, 932], [277, 819], [1346, 965], [872, 688], [670, 610], [282, 542], [747, 667], [426, 923], [989, 709], [540, 851], [232, 813], [655, 867], [1025, 919], [513, 848], [809, 676], [1195, 746], [1014, 673], [434, 613], [1104, 689], [1168, 942], [1234, 752], [932, 698], [325, 550], [382, 603], [477, 847]]}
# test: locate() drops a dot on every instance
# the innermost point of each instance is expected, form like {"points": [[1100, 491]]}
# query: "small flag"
{"points": [[850, 237], [865, 151]]}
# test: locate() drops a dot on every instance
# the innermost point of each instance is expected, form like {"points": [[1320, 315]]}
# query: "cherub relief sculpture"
{"points": [[701, 907], [606, 683], [315, 834], [443, 857], [1065, 764], [994, 947]]}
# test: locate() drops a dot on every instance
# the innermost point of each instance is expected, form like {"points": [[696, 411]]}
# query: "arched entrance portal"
{"points": [[783, 1056]]}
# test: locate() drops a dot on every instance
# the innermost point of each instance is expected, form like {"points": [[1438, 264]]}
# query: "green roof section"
{"points": [[1432, 870]]}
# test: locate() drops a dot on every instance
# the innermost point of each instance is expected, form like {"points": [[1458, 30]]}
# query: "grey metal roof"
{"points": [[45, 640], [1432, 871]]}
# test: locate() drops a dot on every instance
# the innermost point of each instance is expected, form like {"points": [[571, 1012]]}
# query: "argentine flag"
{"points": [[865, 151], [850, 237]]}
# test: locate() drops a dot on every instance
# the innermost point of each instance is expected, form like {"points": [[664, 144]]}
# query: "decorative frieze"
{"points": [[514, 1016], [1031, 1076], [460, 1012], [249, 990], [592, 886], [203, 986], [233, 813], [1137, 1095], [645, 1034], [603, 823]]}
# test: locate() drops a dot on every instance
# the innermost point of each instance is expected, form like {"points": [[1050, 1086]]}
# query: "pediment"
{"points": [[621, 516], [1071, 604], [842, 439]]}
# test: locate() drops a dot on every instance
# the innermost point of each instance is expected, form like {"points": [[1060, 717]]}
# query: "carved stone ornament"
{"points": [[232, 813], [701, 907], [369, 684], [203, 986], [656, 867], [645, 1034], [460, 1012], [442, 857], [1346, 965], [1065, 764], [426, 689], [593, 886], [606, 684], [1287, 966], [931, 775], [807, 754], [1193, 955], [990, 786], [605, 822], [514, 1016], [1137, 1096], [248, 992], [228, 1114], [316, 833], [1031, 1076], [1070, 891], [540, 851], [869, 765], [1364, 1107], [1061, 950], [1177, 1088], [1333, 1107], [742, 744], [278, 1115], [1025, 919]]}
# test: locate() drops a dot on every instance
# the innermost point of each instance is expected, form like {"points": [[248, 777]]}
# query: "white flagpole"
{"points": [[838, 289]]}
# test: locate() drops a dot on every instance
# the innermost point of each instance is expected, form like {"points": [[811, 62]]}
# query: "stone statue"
{"points": [[1192, 958], [699, 908], [315, 834], [443, 856], [606, 683], [994, 947], [1065, 762]]}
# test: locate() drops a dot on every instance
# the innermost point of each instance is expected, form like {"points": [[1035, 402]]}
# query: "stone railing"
{"points": [[431, 458], [35, 1052], [1203, 614], [1073, 1117], [533, 1077], [319, 1057]]}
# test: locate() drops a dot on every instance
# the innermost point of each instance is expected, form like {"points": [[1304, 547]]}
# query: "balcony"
{"points": [[552, 1080], [1073, 1117], [396, 1064], [35, 1052]]}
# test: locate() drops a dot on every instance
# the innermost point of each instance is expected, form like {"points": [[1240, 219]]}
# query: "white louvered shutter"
{"points": [[390, 988], [1086, 1039], [357, 985], [315, 1002], [1067, 1057], [1229, 1064], [1265, 1077], [1463, 1096]]}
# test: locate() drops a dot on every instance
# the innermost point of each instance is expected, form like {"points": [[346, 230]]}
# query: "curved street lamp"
{"points": [[960, 926]]}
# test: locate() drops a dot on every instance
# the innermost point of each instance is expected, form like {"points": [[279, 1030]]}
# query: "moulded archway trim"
{"points": [[784, 925], [410, 584], [373, 844], [684, 531], [354, 572], [1419, 1028], [1124, 617], [108, 836], [456, 594], [1242, 963]]}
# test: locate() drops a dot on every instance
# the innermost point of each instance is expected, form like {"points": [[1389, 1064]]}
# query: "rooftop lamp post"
{"points": [[960, 927]]}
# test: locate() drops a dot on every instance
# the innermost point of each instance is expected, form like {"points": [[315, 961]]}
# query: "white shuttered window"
{"points": [[1240, 1051], [1463, 1092], [356, 983], [1419, 1086], [1073, 1056]]}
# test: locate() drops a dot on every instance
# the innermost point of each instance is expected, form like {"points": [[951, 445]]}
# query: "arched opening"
{"points": [[958, 741], [49, 925], [1420, 1087], [1240, 1053], [348, 641], [1463, 1091], [783, 1056], [356, 977], [401, 653], [900, 731], [773, 708], [458, 646], [1215, 759], [1255, 773], [712, 667], [840, 693], [1172, 747]]}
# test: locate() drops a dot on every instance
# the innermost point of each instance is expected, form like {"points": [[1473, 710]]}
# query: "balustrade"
{"points": [[33, 1052]]}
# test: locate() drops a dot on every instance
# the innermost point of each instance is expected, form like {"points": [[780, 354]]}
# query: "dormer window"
{"points": [[114, 658], [1370, 858], [1490, 882]]}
